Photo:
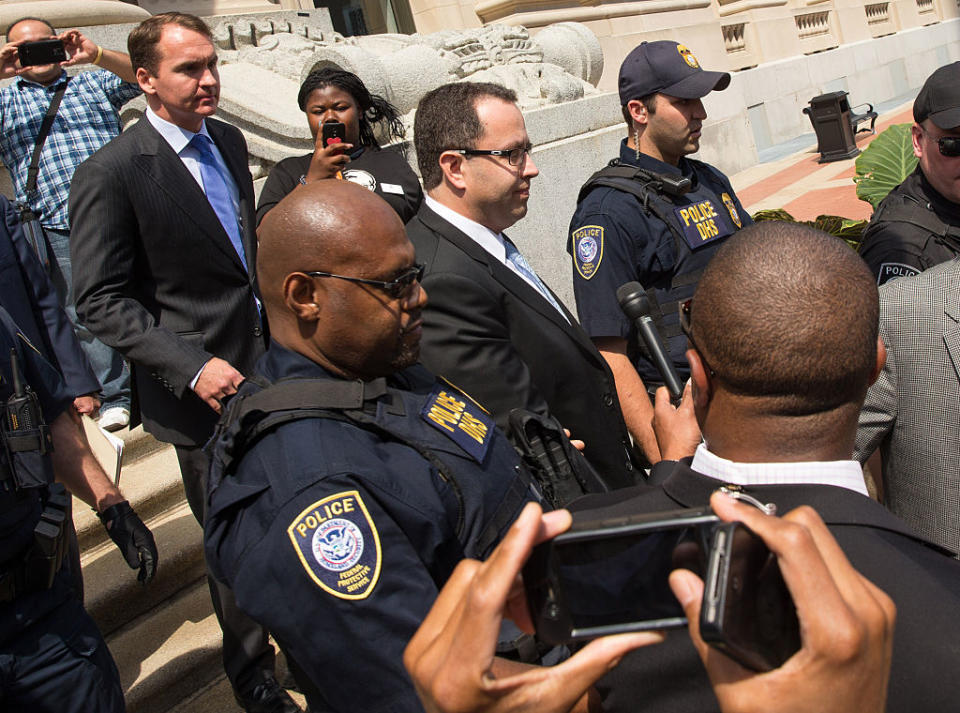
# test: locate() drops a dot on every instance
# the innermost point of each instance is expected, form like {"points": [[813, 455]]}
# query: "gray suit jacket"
{"points": [[156, 276], [912, 413]]}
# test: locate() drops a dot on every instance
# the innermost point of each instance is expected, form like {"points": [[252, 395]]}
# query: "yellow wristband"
{"points": [[96, 60]]}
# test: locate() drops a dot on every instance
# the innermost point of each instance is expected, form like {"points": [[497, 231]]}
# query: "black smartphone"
{"points": [[48, 51], [611, 576], [747, 610], [333, 130]]}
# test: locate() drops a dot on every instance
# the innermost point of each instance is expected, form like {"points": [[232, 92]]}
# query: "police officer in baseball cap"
{"points": [[653, 216], [917, 225]]}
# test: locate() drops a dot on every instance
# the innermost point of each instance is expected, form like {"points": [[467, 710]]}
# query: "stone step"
{"points": [[151, 482], [217, 697], [113, 596], [170, 653]]}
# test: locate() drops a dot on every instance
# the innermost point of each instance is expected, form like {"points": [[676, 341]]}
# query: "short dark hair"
{"points": [[28, 19], [447, 119], [144, 38], [788, 316], [649, 102], [374, 109]]}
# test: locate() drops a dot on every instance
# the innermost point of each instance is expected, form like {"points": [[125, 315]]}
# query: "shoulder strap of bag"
{"points": [[42, 137]]}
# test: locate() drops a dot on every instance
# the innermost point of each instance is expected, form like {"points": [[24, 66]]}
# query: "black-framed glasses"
{"points": [[395, 288], [949, 145], [515, 157], [686, 308]]}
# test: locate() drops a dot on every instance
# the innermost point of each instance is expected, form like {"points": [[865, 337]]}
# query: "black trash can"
{"points": [[830, 116]]}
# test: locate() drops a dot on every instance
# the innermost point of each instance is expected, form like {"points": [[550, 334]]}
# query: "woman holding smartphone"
{"points": [[342, 114]]}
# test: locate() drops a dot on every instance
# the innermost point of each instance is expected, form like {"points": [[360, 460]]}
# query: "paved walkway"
{"points": [[805, 188]]}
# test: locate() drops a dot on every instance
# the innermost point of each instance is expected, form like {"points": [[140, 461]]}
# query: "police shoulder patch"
{"points": [[459, 418], [587, 249], [731, 208], [338, 545], [892, 270]]}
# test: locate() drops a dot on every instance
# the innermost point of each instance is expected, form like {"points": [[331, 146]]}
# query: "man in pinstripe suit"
{"points": [[165, 251], [912, 412]]}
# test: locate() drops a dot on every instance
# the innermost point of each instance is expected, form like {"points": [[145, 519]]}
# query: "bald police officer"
{"points": [[347, 481]]}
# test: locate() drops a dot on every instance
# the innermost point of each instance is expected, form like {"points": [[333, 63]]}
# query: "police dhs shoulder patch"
{"points": [[587, 249], [338, 545]]}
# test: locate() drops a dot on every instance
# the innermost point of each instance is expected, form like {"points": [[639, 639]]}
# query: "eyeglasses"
{"points": [[395, 289], [949, 145], [686, 307], [515, 157]]}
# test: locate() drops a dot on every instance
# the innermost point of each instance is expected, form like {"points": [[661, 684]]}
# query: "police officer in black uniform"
{"points": [[917, 225], [52, 657], [347, 482], [651, 216]]}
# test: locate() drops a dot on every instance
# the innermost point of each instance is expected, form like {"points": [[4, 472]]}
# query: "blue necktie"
{"points": [[218, 193], [520, 262]]}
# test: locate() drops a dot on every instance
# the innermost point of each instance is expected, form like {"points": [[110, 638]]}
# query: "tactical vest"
{"points": [[661, 196], [26, 477], [939, 241], [393, 414]]}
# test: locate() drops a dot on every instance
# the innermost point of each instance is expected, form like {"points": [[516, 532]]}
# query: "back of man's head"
{"points": [[787, 316], [144, 38], [447, 119]]}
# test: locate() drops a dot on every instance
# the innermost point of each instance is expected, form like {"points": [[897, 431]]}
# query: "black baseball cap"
{"points": [[667, 67], [939, 99]]}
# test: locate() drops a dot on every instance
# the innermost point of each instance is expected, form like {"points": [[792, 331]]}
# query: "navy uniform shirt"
{"points": [[613, 240], [337, 538]]}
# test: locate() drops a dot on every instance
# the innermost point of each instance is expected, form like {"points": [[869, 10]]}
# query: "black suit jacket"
{"points": [[28, 295], [499, 340], [922, 580], [156, 276]]}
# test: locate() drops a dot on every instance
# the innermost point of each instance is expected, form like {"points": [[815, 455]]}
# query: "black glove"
{"points": [[133, 538]]}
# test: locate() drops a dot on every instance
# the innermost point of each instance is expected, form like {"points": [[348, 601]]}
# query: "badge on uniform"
{"points": [[701, 223], [338, 545], [688, 56], [587, 249], [459, 418], [731, 208]]}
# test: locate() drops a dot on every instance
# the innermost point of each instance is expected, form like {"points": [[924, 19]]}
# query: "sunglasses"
{"points": [[395, 289], [949, 145], [686, 309]]}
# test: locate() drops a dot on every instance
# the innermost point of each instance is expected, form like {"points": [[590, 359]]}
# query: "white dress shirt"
{"points": [[490, 241], [842, 473]]}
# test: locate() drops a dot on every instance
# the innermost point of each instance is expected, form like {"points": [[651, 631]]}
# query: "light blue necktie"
{"points": [[218, 193], [520, 262]]}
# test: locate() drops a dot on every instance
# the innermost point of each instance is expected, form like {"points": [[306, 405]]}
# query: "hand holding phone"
{"points": [[848, 624], [331, 152]]}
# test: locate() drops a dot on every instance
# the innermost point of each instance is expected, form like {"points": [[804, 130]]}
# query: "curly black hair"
{"points": [[374, 109]]}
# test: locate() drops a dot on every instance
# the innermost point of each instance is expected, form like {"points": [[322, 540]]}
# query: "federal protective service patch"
{"points": [[588, 249], [338, 545]]}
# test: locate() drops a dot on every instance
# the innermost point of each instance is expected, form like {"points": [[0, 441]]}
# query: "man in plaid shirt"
{"points": [[88, 117]]}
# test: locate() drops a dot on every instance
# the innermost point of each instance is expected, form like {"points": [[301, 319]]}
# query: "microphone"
{"points": [[636, 305]]}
